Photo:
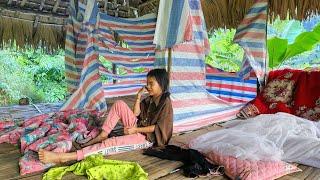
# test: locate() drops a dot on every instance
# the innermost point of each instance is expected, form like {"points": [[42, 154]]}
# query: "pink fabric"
{"points": [[110, 145], [53, 132], [252, 170], [118, 111]]}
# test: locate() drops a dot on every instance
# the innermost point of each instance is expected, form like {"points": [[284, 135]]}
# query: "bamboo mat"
{"points": [[155, 167]]}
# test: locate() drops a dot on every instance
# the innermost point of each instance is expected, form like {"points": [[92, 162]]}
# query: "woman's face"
{"points": [[153, 87]]}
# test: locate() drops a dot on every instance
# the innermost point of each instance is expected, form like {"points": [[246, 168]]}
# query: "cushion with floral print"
{"points": [[277, 95], [307, 96]]}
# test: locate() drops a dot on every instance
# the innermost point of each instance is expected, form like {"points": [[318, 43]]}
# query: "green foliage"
{"points": [[225, 54], [119, 70], [279, 49], [304, 42], [276, 48], [32, 74]]}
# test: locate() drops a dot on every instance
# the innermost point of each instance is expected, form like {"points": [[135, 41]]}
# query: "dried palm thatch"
{"points": [[25, 33], [33, 23], [229, 13], [40, 23]]}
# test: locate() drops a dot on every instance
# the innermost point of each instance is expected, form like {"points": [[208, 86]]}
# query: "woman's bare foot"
{"points": [[54, 157], [49, 157]]}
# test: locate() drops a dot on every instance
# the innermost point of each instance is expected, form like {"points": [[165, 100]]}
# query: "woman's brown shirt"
{"points": [[159, 114]]}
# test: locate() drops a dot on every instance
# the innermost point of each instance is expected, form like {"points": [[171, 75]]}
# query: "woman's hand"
{"points": [[128, 131], [141, 91]]}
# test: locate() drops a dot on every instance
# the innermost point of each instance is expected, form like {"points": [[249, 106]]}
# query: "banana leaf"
{"points": [[279, 49], [304, 42]]}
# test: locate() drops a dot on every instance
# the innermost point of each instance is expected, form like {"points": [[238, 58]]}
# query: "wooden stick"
{"points": [[169, 63]]}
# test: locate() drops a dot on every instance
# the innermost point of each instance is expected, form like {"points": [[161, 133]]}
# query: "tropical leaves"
{"points": [[225, 54], [276, 48], [279, 49]]}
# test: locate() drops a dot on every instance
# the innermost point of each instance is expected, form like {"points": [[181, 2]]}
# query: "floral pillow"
{"points": [[277, 95]]}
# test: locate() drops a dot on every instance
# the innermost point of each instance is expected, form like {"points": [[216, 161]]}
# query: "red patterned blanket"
{"points": [[292, 91]]}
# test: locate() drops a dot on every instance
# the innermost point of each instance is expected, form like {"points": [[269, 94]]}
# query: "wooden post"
{"points": [[56, 6], [169, 63], [114, 71], [105, 8]]}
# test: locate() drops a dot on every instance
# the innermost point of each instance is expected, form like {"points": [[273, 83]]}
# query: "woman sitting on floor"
{"points": [[151, 120]]}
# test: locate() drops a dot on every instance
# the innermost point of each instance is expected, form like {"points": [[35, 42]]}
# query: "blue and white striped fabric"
{"points": [[229, 86], [193, 106], [89, 92], [251, 36], [173, 23], [75, 46], [138, 35]]}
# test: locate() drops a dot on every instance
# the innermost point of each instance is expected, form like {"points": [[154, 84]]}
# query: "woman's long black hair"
{"points": [[162, 78]]}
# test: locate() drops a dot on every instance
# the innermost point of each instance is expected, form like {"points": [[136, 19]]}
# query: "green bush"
{"points": [[32, 74]]}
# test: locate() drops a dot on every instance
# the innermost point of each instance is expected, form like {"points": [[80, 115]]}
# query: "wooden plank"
{"points": [[183, 139], [9, 166], [56, 5], [306, 170], [6, 148], [314, 175], [155, 167], [179, 176], [288, 177], [53, 19]]}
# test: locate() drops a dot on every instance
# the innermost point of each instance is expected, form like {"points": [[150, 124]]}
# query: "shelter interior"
{"points": [[42, 23]]}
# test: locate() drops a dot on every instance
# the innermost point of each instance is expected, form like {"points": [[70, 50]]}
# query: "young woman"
{"points": [[151, 120]]}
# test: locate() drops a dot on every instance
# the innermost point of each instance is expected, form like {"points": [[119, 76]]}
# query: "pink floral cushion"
{"points": [[252, 170]]}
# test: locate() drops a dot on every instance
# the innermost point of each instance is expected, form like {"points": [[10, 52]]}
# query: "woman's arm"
{"points": [[134, 130], [136, 107]]}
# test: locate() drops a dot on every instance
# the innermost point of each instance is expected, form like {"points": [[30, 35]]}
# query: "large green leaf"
{"points": [[304, 42], [277, 49]]}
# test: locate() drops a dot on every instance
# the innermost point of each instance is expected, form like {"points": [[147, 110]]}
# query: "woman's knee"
{"points": [[119, 103]]}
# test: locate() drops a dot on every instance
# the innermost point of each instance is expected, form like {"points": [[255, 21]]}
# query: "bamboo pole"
{"points": [[169, 65]]}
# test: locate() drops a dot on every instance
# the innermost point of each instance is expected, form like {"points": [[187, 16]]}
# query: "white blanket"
{"points": [[267, 137]]}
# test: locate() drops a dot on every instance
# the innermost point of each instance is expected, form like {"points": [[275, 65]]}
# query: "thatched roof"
{"points": [[34, 23], [41, 22], [229, 13]]}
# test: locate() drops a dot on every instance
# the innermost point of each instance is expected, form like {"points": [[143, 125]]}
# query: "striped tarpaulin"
{"points": [[229, 86], [137, 51], [75, 45], [173, 24], [251, 36], [193, 106], [89, 92]]}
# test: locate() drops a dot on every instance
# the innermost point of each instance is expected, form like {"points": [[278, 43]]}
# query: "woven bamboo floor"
{"points": [[155, 167]]}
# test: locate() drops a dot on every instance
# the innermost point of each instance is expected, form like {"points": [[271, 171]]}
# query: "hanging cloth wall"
{"points": [[125, 42], [82, 59], [128, 44], [251, 36], [193, 106]]}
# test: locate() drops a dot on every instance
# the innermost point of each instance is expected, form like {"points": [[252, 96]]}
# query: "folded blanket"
{"points": [[54, 132]]}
